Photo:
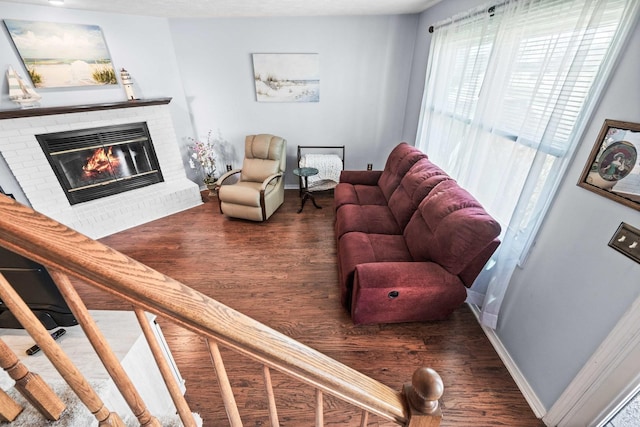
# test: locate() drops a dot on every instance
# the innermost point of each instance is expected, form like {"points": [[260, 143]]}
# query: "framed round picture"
{"points": [[617, 160], [612, 169]]}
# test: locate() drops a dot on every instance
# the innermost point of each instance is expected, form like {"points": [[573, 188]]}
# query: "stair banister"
{"points": [[35, 236]]}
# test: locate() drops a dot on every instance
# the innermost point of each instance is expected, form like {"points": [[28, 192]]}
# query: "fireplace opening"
{"points": [[99, 162]]}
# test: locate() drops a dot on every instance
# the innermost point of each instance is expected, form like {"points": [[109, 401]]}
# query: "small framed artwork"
{"points": [[287, 77], [613, 167], [626, 240]]}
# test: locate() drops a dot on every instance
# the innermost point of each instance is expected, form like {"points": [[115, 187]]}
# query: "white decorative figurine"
{"points": [[128, 85], [19, 92]]}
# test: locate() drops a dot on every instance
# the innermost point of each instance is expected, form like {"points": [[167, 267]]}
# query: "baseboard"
{"points": [[526, 390]]}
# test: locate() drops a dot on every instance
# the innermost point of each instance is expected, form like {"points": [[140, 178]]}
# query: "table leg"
{"points": [[307, 195]]}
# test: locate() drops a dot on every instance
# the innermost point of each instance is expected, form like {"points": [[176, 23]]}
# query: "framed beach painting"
{"points": [[62, 55], [287, 77], [613, 167]]}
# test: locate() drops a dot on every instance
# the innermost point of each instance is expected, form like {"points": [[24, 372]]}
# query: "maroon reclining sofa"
{"points": [[409, 239]]}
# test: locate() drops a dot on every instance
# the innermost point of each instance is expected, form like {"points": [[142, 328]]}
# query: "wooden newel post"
{"points": [[422, 398]]}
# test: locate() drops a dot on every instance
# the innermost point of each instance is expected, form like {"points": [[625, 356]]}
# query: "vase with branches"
{"points": [[203, 157]]}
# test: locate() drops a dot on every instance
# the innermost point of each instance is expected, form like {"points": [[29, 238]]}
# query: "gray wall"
{"points": [[364, 72], [574, 288]]}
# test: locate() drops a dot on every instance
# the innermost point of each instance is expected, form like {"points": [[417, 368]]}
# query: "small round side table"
{"points": [[306, 194]]}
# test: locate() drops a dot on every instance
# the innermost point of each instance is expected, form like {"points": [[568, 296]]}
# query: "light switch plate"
{"points": [[627, 241]]}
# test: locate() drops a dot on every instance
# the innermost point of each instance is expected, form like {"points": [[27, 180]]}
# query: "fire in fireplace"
{"points": [[99, 162]]}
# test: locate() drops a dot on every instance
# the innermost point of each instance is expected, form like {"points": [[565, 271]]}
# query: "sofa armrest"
{"points": [[475, 267], [360, 177], [390, 292]]}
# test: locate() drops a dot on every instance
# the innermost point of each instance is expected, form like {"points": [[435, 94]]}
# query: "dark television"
{"points": [[36, 287]]}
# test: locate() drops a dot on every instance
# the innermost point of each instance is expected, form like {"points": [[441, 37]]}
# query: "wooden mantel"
{"points": [[47, 111]]}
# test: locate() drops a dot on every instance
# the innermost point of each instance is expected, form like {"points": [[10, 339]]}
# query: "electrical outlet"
{"points": [[369, 166], [627, 241], [228, 168]]}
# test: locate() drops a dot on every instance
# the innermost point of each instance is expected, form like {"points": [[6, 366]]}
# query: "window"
{"points": [[508, 94]]}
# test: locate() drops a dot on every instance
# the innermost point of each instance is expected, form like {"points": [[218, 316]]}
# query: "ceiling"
{"points": [[245, 8]]}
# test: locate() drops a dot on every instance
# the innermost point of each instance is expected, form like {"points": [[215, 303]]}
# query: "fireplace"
{"points": [[99, 162], [36, 181]]}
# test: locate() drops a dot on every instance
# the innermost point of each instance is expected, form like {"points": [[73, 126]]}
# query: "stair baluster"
{"points": [[319, 408], [273, 411], [172, 385], [9, 408], [225, 387], [30, 385], [58, 358], [104, 351]]}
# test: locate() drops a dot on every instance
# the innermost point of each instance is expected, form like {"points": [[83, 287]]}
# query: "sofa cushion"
{"points": [[400, 160], [358, 188], [404, 292], [392, 219], [366, 219], [358, 248], [354, 182], [450, 228], [414, 187], [360, 177], [350, 194]]}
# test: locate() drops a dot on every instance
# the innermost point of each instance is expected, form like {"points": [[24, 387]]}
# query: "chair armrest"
{"points": [[268, 180], [227, 175], [360, 177]]}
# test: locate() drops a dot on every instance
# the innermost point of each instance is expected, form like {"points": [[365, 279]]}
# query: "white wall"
{"points": [[574, 288], [142, 45], [364, 71]]}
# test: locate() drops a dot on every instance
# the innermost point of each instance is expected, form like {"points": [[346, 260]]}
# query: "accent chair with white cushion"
{"points": [[259, 190]]}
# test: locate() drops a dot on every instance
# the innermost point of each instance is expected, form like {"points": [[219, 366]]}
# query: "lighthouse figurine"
{"points": [[128, 85]]}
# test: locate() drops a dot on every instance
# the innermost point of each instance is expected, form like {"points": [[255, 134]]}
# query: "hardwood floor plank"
{"points": [[283, 273]]}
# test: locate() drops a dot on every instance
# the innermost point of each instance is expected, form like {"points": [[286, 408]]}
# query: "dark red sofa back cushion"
{"points": [[451, 228], [400, 160], [414, 187]]}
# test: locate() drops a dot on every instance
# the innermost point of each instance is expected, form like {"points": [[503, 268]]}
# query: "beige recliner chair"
{"points": [[259, 191]]}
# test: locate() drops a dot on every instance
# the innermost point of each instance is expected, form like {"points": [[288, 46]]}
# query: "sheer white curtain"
{"points": [[508, 94]]}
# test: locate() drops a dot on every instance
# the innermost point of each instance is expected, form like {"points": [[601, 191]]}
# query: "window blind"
{"points": [[541, 82]]}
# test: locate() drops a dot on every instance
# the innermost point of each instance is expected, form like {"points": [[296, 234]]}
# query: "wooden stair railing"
{"points": [[66, 252]]}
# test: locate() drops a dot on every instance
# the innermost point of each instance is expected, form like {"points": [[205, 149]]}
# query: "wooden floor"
{"points": [[283, 273]]}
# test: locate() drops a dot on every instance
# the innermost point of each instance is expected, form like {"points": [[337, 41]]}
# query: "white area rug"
{"points": [[76, 414]]}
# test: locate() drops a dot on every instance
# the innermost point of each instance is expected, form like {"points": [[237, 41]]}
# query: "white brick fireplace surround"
{"points": [[108, 215]]}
